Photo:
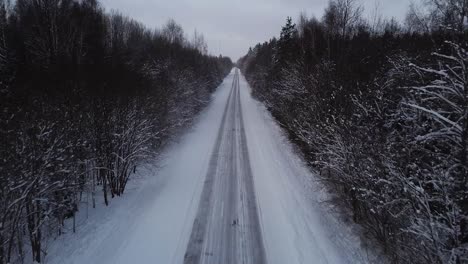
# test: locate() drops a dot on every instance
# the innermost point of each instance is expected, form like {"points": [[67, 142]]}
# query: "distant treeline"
{"points": [[85, 96], [380, 109]]}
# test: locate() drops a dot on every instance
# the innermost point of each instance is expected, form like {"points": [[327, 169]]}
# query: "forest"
{"points": [[379, 108], [86, 96]]}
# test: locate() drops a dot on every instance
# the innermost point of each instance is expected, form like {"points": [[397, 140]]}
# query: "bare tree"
{"points": [[349, 14], [199, 43], [451, 14], [446, 15], [376, 18], [173, 32]]}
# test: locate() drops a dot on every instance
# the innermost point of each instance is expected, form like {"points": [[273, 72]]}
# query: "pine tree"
{"points": [[287, 47]]}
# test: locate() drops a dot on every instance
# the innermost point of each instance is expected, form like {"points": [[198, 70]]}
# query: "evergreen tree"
{"points": [[287, 48]]}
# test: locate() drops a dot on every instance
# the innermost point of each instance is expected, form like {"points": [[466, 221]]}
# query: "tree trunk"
{"points": [[34, 214], [2, 252], [93, 191], [104, 185]]}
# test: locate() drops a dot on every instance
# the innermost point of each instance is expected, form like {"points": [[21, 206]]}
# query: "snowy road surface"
{"points": [[232, 190], [226, 228]]}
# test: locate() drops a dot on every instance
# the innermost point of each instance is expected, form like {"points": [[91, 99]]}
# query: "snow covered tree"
{"points": [[439, 103], [287, 47], [86, 97], [387, 136]]}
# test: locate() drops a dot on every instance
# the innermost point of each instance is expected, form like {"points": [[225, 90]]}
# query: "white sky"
{"points": [[231, 27]]}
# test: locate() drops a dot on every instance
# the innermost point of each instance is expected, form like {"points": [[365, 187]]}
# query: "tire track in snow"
{"points": [[195, 244], [255, 248], [226, 228]]}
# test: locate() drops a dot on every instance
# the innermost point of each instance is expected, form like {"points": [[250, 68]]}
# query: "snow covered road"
{"points": [[232, 190], [226, 228]]}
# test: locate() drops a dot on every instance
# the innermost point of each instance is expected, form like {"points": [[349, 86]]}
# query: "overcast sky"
{"points": [[231, 27]]}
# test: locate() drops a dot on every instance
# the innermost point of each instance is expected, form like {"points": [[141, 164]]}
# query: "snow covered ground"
{"points": [[153, 221]]}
